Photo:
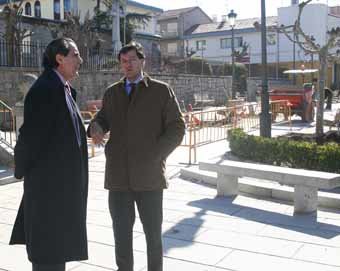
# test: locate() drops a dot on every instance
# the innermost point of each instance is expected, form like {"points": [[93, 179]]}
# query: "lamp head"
{"points": [[232, 17]]}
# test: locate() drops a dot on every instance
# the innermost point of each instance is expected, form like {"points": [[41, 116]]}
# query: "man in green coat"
{"points": [[145, 125]]}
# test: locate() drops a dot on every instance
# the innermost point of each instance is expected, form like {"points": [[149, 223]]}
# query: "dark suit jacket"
{"points": [[51, 219]]}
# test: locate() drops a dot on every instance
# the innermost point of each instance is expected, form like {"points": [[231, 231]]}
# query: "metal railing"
{"points": [[281, 111], [7, 126], [25, 54], [209, 126]]}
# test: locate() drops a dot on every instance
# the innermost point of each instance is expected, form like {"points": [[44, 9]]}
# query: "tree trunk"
{"points": [[322, 83]]}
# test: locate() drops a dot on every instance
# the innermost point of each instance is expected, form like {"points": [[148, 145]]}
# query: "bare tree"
{"points": [[14, 33], [306, 42], [83, 33]]}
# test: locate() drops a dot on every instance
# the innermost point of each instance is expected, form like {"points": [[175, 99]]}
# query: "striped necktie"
{"points": [[132, 90], [73, 112]]}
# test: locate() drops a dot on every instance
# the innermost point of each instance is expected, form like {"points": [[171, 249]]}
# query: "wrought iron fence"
{"points": [[26, 54], [30, 55]]}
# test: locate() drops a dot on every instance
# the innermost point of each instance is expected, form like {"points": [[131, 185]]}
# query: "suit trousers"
{"points": [[48, 267], [150, 209]]}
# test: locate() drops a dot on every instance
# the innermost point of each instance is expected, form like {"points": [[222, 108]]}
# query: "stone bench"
{"points": [[305, 182]]}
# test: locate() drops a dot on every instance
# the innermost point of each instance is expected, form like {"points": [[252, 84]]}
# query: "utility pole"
{"points": [[277, 53], [265, 117]]}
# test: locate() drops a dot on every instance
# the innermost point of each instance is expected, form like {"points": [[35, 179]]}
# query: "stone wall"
{"points": [[189, 89], [91, 85]]}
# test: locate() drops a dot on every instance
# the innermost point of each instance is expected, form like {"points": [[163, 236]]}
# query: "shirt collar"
{"points": [[140, 78], [62, 79], [144, 78]]}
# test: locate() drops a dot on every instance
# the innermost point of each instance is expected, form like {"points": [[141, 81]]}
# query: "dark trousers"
{"points": [[150, 209], [48, 267]]}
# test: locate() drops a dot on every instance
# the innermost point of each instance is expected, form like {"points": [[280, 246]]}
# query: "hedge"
{"points": [[284, 152]]}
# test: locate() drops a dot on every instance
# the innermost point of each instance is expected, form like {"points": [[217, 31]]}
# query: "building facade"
{"points": [[172, 25], [58, 10], [212, 41], [47, 9]]}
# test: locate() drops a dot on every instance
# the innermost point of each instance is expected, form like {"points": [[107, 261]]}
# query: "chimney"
{"points": [[294, 2]]}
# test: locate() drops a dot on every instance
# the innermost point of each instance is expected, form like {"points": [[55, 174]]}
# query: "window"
{"points": [[56, 9], [226, 43], [172, 28], [37, 9], [201, 45], [172, 48], [67, 8], [28, 10]]}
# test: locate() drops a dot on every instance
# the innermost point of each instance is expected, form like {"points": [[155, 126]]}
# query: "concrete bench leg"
{"points": [[227, 185], [305, 199]]}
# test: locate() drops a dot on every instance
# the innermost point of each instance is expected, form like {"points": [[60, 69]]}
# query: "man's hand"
{"points": [[97, 134]]}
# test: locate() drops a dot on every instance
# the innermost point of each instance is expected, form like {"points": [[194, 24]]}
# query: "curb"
{"points": [[8, 180]]}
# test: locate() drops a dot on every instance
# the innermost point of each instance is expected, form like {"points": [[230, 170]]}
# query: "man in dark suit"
{"points": [[51, 155]]}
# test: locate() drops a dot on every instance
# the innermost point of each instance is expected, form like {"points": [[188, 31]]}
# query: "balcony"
{"points": [[168, 34]]}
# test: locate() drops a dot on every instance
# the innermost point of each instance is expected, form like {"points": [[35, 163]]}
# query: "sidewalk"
{"points": [[201, 232]]}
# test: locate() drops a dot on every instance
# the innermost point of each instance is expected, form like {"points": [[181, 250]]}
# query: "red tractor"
{"points": [[299, 98]]}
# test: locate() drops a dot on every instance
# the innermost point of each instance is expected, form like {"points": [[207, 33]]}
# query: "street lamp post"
{"points": [[232, 17], [115, 12], [265, 118], [202, 62], [294, 63]]}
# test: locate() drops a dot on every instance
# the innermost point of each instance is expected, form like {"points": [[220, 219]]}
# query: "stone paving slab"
{"points": [[175, 264], [103, 256], [247, 261], [5, 233], [259, 244], [314, 236], [319, 254], [188, 251]]}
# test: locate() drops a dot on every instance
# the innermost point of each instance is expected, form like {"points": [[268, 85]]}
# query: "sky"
{"points": [[243, 8]]}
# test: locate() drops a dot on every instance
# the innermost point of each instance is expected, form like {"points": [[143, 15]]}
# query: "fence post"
{"points": [[190, 134], [195, 147]]}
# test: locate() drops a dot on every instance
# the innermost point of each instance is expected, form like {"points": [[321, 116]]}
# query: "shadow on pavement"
{"points": [[307, 223]]}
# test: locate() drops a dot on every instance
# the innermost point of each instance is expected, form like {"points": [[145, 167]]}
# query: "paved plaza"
{"points": [[201, 232]]}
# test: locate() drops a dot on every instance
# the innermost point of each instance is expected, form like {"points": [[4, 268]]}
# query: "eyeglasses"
{"points": [[129, 61]]}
